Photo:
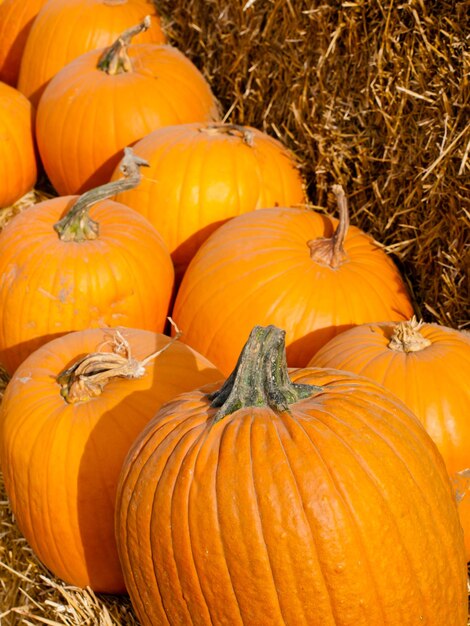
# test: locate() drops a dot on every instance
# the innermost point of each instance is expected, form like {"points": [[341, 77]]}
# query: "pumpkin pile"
{"points": [[219, 406]]}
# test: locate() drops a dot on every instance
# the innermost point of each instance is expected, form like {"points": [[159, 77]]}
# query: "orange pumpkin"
{"points": [[63, 30], [425, 365], [285, 266], [16, 19], [64, 436], [108, 99], [314, 501], [99, 266], [18, 169], [200, 175]]}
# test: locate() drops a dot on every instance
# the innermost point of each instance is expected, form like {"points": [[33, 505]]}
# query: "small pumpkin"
{"points": [[18, 168], [62, 31], [200, 175], [295, 268], [16, 19], [69, 415], [425, 365], [100, 264], [108, 99], [309, 498]]}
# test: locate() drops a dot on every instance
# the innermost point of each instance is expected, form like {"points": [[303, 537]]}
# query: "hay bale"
{"points": [[372, 95], [25, 202]]}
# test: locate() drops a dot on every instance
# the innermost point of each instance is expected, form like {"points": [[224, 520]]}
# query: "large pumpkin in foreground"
{"points": [[295, 268], [428, 367], [68, 417], [316, 502]]}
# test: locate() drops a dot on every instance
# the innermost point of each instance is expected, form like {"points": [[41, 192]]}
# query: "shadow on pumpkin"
{"points": [[301, 351], [184, 253], [102, 174], [106, 448], [11, 64], [12, 357]]}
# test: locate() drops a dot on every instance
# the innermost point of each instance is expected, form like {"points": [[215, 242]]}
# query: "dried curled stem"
{"points": [[88, 376], [406, 337]]}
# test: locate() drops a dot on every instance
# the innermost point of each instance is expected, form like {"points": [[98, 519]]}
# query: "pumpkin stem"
{"points": [[407, 338], [330, 250], [115, 59], [260, 377], [77, 224], [88, 376], [234, 130]]}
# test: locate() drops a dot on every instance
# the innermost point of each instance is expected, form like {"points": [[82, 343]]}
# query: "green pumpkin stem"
{"points": [[260, 377], [115, 59], [77, 224], [330, 250]]}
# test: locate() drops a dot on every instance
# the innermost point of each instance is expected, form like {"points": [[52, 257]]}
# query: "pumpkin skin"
{"points": [[16, 19], [256, 269], [63, 30], [113, 111], [61, 461], [335, 511], [49, 287], [433, 381], [18, 168], [200, 175]]}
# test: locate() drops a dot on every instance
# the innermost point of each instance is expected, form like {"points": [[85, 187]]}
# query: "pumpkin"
{"points": [[425, 365], [66, 423], [63, 30], [108, 99], [100, 264], [201, 175], [295, 268], [305, 498], [18, 169], [16, 19]]}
